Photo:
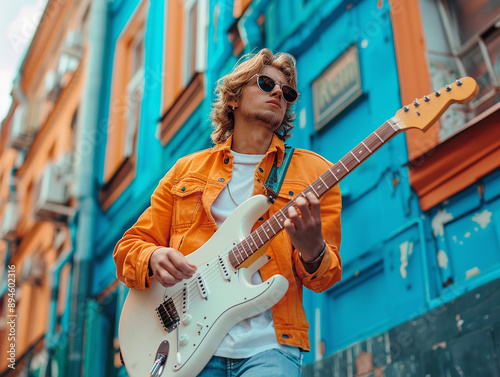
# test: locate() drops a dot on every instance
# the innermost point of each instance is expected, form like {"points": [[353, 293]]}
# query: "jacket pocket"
{"points": [[187, 203], [289, 191]]}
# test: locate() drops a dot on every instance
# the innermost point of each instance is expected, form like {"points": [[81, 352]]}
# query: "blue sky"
{"points": [[18, 22]]}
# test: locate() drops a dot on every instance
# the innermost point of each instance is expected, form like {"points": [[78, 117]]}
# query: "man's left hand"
{"points": [[304, 226]]}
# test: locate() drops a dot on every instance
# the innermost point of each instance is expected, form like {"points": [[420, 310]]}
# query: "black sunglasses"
{"points": [[267, 84]]}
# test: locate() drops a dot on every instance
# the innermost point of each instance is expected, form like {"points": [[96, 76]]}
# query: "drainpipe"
{"points": [[86, 183]]}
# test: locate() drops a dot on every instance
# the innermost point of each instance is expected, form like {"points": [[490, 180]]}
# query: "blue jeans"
{"points": [[272, 363]]}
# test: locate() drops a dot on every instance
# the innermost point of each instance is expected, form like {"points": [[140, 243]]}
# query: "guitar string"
{"points": [[208, 277]]}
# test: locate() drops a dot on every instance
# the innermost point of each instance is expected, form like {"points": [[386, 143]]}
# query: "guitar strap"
{"points": [[277, 174]]}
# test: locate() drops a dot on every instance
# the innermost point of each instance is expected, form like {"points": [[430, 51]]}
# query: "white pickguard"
{"points": [[217, 297]]}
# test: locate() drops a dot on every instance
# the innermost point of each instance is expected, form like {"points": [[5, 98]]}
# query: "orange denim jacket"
{"points": [[180, 217]]}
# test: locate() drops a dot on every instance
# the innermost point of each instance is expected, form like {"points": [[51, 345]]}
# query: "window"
{"points": [[125, 107], [471, 33], [135, 92], [436, 42], [126, 96], [186, 36]]}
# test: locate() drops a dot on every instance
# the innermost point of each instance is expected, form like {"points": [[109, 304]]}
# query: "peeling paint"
{"points": [[467, 235], [454, 238], [442, 259], [406, 249], [472, 272], [483, 218], [441, 218]]}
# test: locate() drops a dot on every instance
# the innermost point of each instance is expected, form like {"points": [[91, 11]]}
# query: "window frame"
{"points": [[183, 88], [120, 155]]}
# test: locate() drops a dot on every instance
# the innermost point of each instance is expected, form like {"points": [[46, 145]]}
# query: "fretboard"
{"points": [[247, 247]]}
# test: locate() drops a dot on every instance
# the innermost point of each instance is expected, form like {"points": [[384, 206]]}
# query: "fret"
{"points": [[270, 226], [314, 191], [236, 257], [361, 151], [324, 183], [259, 238], [375, 132], [345, 167], [245, 248], [253, 240], [369, 150], [333, 174], [264, 235], [282, 214], [355, 156]]}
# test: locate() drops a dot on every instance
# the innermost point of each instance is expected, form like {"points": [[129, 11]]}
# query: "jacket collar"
{"points": [[277, 146]]}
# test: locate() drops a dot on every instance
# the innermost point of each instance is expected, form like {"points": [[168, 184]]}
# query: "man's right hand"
{"points": [[170, 266]]}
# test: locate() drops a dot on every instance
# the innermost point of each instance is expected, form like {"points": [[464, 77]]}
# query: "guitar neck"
{"points": [[246, 248]]}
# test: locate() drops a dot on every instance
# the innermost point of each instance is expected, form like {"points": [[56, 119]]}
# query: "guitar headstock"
{"points": [[423, 112]]}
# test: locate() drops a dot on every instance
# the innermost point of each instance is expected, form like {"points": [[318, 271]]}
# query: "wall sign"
{"points": [[336, 88]]}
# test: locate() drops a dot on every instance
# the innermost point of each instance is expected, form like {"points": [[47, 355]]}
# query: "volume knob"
{"points": [[186, 320], [184, 339]]}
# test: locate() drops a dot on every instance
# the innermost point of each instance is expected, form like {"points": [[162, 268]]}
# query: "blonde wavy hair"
{"points": [[230, 86]]}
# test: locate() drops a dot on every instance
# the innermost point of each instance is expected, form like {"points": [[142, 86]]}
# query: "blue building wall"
{"points": [[390, 247]]}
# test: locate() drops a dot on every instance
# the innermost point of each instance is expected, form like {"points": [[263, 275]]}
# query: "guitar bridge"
{"points": [[168, 315]]}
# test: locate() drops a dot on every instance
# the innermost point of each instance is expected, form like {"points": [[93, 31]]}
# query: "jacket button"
{"points": [[184, 188], [290, 193], [221, 179], [261, 170], [226, 160]]}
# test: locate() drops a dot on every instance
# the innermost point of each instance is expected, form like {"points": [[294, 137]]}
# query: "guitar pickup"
{"points": [[168, 315], [202, 287]]}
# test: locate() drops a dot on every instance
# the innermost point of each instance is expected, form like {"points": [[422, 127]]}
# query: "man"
{"points": [[252, 117]]}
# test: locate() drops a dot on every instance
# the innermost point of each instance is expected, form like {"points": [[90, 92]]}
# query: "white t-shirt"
{"points": [[255, 334]]}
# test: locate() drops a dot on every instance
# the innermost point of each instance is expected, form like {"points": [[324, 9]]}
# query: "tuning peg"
{"points": [[438, 93], [459, 82], [448, 88], [406, 108], [427, 98], [416, 103]]}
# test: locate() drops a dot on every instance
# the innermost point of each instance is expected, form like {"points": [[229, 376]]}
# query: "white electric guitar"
{"points": [[175, 331]]}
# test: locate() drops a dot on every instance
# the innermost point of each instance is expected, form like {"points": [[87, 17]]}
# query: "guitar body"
{"points": [[208, 305]]}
